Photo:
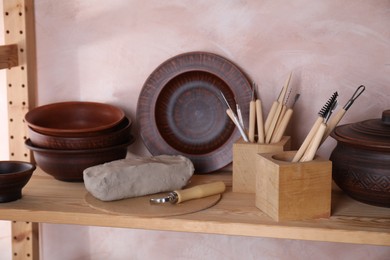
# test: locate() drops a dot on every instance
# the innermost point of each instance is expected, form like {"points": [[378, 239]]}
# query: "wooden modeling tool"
{"points": [[284, 122], [252, 116], [259, 119], [321, 115], [340, 114], [275, 117]]}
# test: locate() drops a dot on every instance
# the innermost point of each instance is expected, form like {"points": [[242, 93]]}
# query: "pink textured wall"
{"points": [[105, 50]]}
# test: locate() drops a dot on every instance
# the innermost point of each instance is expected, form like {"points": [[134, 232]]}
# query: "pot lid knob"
{"points": [[386, 117]]}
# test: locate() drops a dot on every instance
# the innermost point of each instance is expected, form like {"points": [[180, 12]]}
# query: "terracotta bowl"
{"points": [[74, 118], [68, 165], [14, 175], [119, 134]]}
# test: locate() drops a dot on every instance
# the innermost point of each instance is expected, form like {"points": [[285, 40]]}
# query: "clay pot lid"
{"points": [[372, 134]]}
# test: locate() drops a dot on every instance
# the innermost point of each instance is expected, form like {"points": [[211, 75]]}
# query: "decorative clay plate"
{"points": [[181, 110]]}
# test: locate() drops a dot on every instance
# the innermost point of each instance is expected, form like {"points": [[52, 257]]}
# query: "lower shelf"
{"points": [[46, 200]]}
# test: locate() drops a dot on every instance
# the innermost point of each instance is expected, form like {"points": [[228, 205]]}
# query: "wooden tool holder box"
{"points": [[245, 156], [293, 191]]}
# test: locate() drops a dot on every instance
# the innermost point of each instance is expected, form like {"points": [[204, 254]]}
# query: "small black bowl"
{"points": [[14, 175]]}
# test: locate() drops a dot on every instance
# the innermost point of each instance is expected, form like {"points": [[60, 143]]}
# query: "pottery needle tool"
{"points": [[239, 114], [259, 118], [284, 122], [196, 192], [315, 143], [321, 115], [252, 116], [279, 104], [234, 118], [337, 117]]}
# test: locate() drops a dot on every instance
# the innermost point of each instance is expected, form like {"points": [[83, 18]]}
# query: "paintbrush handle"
{"points": [[260, 123], [282, 126], [272, 126], [271, 114], [252, 121], [314, 144], [307, 140], [333, 123]]}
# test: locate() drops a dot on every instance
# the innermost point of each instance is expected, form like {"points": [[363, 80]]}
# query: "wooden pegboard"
{"points": [[21, 85]]}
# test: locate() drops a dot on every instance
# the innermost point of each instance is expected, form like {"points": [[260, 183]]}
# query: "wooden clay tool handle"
{"points": [[272, 126], [333, 123], [270, 116], [307, 140], [282, 126], [252, 120], [314, 144], [200, 191], [260, 123]]}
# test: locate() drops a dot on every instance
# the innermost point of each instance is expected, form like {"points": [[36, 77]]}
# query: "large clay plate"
{"points": [[181, 110]]}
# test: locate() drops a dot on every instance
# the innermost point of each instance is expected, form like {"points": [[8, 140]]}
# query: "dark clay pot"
{"points": [[361, 160]]}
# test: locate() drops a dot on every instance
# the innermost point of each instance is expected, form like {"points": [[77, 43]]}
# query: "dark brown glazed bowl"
{"points": [[68, 165], [74, 118], [14, 175], [361, 160], [119, 135]]}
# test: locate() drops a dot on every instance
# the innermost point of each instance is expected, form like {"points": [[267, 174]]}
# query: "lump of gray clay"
{"points": [[137, 176]]}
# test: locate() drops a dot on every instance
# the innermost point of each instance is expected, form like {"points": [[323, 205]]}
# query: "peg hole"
{"points": [[21, 50], [23, 103], [20, 32], [7, 31], [12, 154], [25, 155], [11, 119], [23, 85], [22, 68], [9, 85], [6, 13], [12, 137], [10, 102], [20, 13], [28, 255]]}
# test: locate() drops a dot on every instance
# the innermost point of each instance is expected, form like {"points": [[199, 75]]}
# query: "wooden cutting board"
{"points": [[141, 207]]}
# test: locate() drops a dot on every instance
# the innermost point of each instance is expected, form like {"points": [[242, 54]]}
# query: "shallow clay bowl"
{"points": [[120, 134], [68, 165], [14, 175], [75, 118]]}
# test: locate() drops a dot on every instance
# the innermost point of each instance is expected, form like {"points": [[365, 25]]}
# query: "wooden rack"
{"points": [[46, 200]]}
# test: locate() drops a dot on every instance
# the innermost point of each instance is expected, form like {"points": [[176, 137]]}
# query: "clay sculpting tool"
{"points": [[337, 117], [259, 119], [275, 117], [252, 116], [321, 115], [196, 192], [235, 119], [284, 122], [316, 141]]}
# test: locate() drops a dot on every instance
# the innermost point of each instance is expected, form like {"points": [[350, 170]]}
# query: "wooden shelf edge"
{"points": [[47, 200]]}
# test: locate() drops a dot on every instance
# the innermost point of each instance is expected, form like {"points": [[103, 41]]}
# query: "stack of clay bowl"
{"points": [[68, 137]]}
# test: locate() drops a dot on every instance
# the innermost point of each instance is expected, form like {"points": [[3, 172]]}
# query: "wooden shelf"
{"points": [[47, 200]]}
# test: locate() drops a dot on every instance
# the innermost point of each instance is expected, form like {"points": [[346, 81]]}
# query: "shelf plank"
{"points": [[50, 201]]}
